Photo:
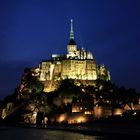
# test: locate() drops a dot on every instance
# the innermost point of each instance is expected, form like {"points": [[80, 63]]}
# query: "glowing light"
{"points": [[88, 112], [45, 120], [118, 111], [62, 118], [135, 113], [81, 119], [77, 119], [107, 101]]}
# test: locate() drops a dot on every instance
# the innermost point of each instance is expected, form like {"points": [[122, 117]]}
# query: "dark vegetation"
{"points": [[105, 92]]}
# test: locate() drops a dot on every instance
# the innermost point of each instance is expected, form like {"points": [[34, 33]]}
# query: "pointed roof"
{"points": [[71, 30], [71, 42]]}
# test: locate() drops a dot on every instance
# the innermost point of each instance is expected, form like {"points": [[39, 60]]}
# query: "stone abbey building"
{"points": [[78, 64]]}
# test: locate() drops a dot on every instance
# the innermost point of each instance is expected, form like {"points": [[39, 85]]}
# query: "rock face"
{"points": [[7, 110]]}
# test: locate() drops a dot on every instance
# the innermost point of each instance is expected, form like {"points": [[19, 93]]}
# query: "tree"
{"points": [[108, 94], [67, 88], [128, 97], [131, 97], [31, 83]]}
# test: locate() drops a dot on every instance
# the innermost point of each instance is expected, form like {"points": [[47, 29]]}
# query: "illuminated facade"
{"points": [[76, 64]]}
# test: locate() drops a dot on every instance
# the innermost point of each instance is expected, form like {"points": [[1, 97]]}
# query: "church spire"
{"points": [[71, 42], [71, 30]]}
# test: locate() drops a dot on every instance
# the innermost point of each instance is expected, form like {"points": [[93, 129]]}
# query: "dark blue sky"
{"points": [[31, 30]]}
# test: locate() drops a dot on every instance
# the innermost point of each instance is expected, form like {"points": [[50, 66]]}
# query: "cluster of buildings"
{"points": [[78, 64]]}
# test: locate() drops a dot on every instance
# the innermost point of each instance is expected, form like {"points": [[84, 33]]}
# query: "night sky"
{"points": [[31, 30]]}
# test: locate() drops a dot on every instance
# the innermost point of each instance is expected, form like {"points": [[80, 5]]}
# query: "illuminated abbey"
{"points": [[78, 64], [88, 96]]}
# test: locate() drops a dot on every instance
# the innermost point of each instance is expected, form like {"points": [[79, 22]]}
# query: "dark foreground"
{"points": [[42, 133]]}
